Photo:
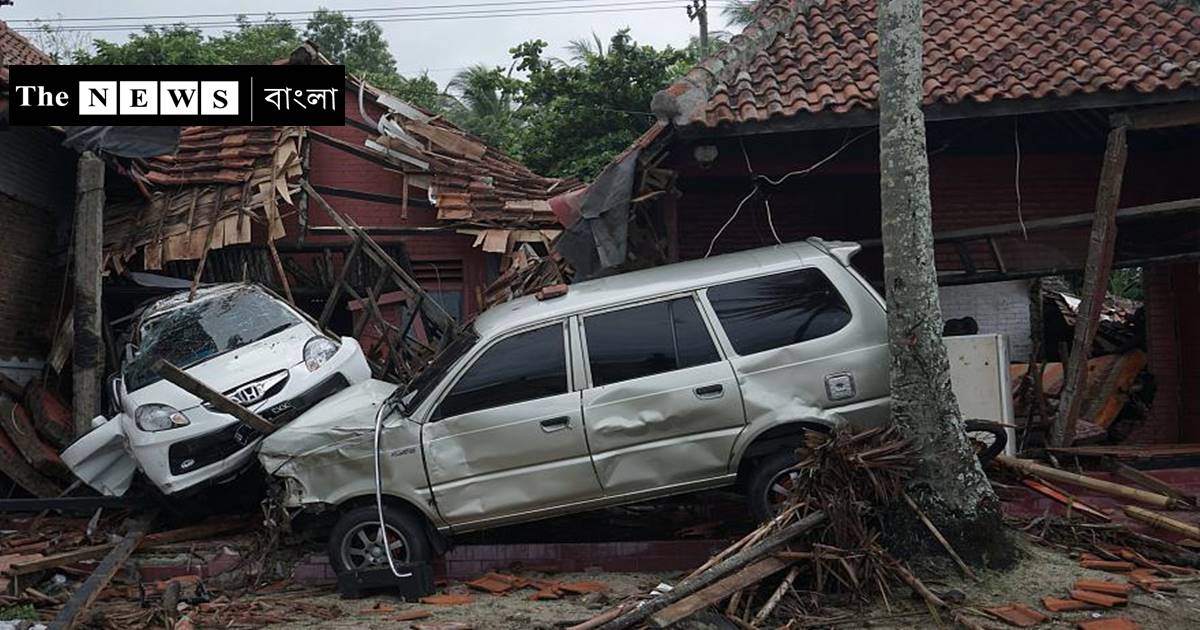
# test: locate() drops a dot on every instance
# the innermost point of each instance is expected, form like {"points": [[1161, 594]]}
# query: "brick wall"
{"points": [[27, 288], [1163, 285], [998, 307]]}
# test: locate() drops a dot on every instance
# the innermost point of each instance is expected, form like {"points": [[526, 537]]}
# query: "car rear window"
{"points": [[648, 339], [523, 367], [778, 310]]}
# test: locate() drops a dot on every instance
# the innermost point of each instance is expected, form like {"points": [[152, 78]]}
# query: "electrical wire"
{"points": [[1017, 177], [382, 10], [733, 216], [766, 199], [621, 7]]}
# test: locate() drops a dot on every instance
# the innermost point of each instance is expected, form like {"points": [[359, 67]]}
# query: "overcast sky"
{"points": [[441, 47]]}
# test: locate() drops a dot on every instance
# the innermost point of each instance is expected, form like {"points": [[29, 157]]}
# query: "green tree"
{"points": [[158, 46], [359, 46], [485, 103], [576, 117], [739, 12]]}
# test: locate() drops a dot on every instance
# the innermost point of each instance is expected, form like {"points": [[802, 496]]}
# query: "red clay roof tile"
{"points": [[975, 51], [15, 49]]}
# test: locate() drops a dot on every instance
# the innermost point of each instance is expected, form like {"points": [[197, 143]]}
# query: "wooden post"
{"points": [[184, 381], [72, 613], [88, 360], [1095, 286]]}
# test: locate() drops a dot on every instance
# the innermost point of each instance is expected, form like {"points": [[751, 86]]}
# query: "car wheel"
{"points": [[356, 542], [771, 484]]}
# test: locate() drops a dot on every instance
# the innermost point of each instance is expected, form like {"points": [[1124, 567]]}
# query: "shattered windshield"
{"points": [[196, 332], [420, 387]]}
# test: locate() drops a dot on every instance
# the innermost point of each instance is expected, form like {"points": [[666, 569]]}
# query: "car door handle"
{"points": [[710, 391], [556, 424]]}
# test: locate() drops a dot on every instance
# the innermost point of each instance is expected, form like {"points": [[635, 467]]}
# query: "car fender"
{"points": [[777, 425]]}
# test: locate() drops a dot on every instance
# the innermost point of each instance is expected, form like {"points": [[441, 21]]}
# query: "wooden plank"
{"points": [[1099, 485], [73, 612], [219, 402], [287, 287], [87, 353], [1095, 284], [1162, 521], [1150, 482], [716, 572], [335, 293], [718, 591], [182, 534], [1162, 117]]}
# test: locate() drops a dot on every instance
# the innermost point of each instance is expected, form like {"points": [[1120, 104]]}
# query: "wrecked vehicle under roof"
{"points": [[239, 339]]}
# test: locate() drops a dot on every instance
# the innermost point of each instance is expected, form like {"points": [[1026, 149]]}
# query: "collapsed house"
{"points": [[773, 139], [387, 229]]}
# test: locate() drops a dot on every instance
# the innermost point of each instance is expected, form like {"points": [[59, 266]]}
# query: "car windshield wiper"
{"points": [[278, 329]]}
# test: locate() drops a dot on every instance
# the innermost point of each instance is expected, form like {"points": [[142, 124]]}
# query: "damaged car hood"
{"points": [[347, 415], [226, 371]]}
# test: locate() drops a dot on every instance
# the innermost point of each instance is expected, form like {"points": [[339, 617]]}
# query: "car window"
{"points": [[648, 339], [779, 310], [194, 333], [523, 367]]}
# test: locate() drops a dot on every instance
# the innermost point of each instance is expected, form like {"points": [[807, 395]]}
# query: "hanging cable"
{"points": [[716, 236], [387, 546], [1017, 176]]}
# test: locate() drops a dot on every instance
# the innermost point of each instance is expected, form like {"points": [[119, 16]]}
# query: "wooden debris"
{"points": [[718, 591], [1116, 566], [1097, 485], [72, 613], [1047, 490], [1151, 482], [219, 401], [1161, 521], [962, 566]]}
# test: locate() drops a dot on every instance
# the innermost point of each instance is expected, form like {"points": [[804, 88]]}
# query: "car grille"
{"points": [[195, 453]]}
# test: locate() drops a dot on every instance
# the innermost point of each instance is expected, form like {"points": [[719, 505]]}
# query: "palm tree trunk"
{"points": [[948, 484]]}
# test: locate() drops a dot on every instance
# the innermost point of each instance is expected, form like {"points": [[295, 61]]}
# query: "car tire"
{"points": [[760, 490], [354, 543]]}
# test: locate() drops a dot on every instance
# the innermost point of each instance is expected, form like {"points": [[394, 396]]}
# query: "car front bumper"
{"points": [[214, 445]]}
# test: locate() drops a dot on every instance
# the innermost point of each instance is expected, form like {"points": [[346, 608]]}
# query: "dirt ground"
{"points": [[512, 611], [1041, 571]]}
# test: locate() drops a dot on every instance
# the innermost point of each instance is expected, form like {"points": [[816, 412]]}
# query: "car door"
{"points": [[663, 408], [507, 438]]}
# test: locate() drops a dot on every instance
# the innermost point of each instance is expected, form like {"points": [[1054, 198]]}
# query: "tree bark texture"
{"points": [[948, 483]]}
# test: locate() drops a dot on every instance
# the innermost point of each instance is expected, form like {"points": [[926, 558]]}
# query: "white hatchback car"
{"points": [[236, 338]]}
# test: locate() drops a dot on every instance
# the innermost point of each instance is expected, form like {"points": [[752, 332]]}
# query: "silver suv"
{"points": [[685, 377]]}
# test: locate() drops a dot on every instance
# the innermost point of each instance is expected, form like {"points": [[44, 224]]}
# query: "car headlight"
{"points": [[317, 351], [159, 418]]}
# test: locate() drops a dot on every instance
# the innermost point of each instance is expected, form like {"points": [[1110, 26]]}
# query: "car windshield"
{"points": [[200, 331], [420, 387]]}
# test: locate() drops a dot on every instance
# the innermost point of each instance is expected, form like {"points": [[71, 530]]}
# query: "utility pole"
{"points": [[699, 11]]}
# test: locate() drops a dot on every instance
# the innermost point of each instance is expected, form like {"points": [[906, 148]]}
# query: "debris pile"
{"points": [[826, 540], [1118, 389]]}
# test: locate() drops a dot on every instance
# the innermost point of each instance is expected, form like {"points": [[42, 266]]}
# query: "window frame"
{"points": [[434, 413], [585, 362], [710, 310]]}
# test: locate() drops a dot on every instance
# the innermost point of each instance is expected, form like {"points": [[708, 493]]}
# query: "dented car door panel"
{"points": [[656, 431], [508, 437], [664, 407]]}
